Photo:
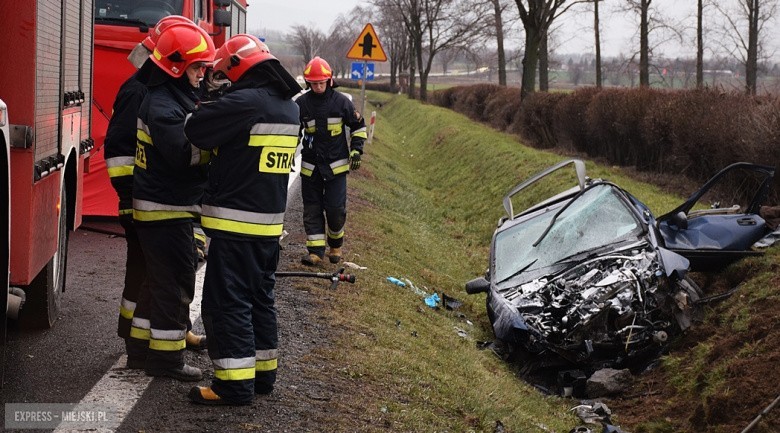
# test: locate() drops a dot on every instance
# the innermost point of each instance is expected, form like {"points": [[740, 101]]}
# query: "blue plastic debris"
{"points": [[396, 281], [433, 300]]}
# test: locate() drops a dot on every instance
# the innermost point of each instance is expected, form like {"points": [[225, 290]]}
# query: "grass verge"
{"points": [[423, 208]]}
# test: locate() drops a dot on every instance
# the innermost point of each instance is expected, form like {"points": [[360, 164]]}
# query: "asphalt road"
{"points": [[79, 360]]}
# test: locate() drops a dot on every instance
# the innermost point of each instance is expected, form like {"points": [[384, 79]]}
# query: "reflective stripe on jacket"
{"points": [[252, 151], [166, 184]]}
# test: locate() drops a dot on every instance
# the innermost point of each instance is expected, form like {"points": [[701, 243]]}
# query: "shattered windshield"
{"points": [[133, 12], [595, 219]]}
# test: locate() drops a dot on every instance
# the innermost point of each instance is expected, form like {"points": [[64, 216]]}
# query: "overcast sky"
{"points": [[574, 35]]}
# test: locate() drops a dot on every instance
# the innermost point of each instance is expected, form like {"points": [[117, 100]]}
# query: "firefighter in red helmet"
{"points": [[327, 156], [168, 181], [119, 148], [255, 128]]}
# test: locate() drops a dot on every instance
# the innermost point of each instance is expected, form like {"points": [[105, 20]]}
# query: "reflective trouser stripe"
{"points": [[268, 365], [140, 329], [167, 340], [125, 211], [266, 360], [234, 368], [235, 374], [336, 235], [315, 240], [126, 309]]}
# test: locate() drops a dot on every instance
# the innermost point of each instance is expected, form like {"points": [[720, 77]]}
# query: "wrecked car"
{"points": [[589, 279]]}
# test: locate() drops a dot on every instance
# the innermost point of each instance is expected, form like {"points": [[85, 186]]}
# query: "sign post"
{"points": [[366, 47]]}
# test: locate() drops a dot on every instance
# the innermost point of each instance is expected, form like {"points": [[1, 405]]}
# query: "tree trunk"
{"points": [[544, 65], [751, 65], [412, 71], [530, 60], [700, 45], [419, 55], [644, 46], [500, 43], [599, 78]]}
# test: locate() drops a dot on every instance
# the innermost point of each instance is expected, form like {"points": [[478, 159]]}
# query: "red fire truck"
{"points": [[45, 86], [119, 26]]}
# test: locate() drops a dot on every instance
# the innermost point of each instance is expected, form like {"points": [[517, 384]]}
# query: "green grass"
{"points": [[424, 206], [428, 197]]}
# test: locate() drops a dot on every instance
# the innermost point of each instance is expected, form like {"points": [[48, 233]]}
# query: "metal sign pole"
{"points": [[363, 89]]}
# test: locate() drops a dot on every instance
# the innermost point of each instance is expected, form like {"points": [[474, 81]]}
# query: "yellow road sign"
{"points": [[367, 46]]}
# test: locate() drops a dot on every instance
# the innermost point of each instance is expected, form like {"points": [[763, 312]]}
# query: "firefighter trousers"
{"points": [[161, 317], [239, 315], [135, 272], [324, 211]]}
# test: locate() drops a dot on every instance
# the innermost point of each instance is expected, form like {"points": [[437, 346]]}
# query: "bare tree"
{"points": [[537, 16], [498, 11], [396, 41], [436, 25], [651, 21], [700, 44], [750, 16], [597, 37], [544, 62], [307, 41]]}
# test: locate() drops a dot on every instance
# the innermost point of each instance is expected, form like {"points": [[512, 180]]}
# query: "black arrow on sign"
{"points": [[368, 45]]}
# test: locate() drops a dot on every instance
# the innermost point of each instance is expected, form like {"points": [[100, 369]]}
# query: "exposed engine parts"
{"points": [[610, 306]]}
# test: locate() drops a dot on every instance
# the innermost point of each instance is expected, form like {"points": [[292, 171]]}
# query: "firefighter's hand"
{"points": [[214, 84], [354, 160]]}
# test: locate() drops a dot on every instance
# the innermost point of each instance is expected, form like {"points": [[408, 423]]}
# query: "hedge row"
{"points": [[667, 132]]}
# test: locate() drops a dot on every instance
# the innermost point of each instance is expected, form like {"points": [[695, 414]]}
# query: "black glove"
{"points": [[354, 160]]}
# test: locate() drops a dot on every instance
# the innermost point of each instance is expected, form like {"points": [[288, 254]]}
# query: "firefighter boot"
{"points": [[311, 259], [185, 373], [195, 342], [205, 395], [334, 255]]}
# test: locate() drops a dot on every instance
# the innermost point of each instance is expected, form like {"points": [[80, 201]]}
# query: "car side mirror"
{"points": [[680, 220], [478, 285]]}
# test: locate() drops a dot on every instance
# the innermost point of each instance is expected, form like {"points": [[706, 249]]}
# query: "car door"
{"points": [[720, 222]]}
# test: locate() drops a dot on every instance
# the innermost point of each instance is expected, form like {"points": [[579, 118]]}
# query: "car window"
{"points": [[597, 218]]}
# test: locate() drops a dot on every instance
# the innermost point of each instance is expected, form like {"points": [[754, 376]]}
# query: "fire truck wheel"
{"points": [[44, 293]]}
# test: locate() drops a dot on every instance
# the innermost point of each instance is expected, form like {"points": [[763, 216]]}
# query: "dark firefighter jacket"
{"points": [[168, 177], [325, 142], [120, 142], [253, 133]]}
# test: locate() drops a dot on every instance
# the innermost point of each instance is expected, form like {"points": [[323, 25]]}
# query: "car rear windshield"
{"points": [[596, 219]]}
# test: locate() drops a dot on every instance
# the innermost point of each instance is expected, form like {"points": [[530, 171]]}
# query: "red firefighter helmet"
{"points": [[318, 70], [181, 45], [154, 35], [240, 53]]}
